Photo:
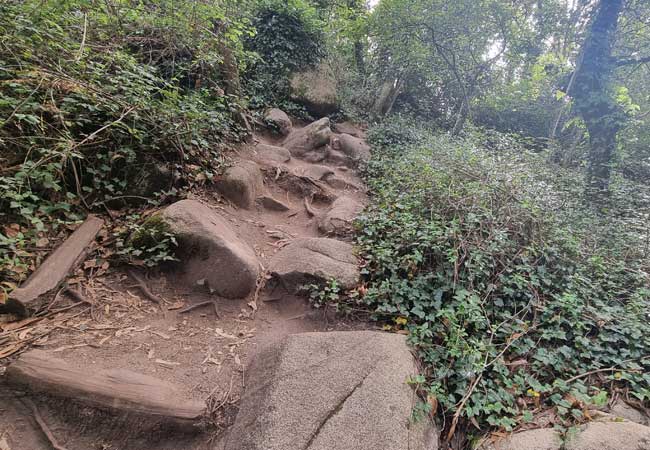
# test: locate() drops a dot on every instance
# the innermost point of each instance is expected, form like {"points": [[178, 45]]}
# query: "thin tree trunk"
{"points": [[461, 118], [594, 100]]}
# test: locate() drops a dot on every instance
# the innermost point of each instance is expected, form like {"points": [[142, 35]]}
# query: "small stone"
{"points": [[355, 148], [307, 139], [280, 119], [241, 184], [338, 220]]}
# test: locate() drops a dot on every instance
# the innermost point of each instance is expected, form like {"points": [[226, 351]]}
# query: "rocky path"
{"points": [[278, 219]]}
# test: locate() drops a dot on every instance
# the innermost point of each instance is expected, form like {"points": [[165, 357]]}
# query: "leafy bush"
{"points": [[148, 243], [515, 296], [287, 39], [101, 106]]}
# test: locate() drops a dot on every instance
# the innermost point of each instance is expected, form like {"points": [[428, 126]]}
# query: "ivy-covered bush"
{"points": [[516, 297], [103, 104], [288, 38]]}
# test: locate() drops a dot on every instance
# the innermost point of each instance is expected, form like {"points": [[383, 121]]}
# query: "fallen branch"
{"points": [[310, 211], [201, 305], [44, 428], [143, 287]]}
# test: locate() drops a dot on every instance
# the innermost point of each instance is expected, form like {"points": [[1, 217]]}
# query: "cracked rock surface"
{"points": [[331, 391], [314, 260]]}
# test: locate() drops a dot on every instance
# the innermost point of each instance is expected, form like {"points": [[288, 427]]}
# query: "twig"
{"points": [[83, 39], [44, 428], [593, 372], [75, 294], [310, 211], [92, 135], [13, 113], [143, 287], [201, 305]]}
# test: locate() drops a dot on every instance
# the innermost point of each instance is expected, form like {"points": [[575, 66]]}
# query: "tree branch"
{"points": [[631, 61]]}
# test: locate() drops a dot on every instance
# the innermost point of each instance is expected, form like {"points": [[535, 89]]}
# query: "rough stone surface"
{"points": [[316, 90], [211, 251], [317, 172], [339, 218], [349, 128], [241, 184], [280, 119], [270, 155], [331, 391], [355, 148], [314, 260], [610, 435], [272, 204], [603, 434], [623, 410], [340, 183], [340, 158], [307, 139]]}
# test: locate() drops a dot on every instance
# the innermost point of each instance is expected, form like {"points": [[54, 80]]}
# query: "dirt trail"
{"points": [[203, 354]]}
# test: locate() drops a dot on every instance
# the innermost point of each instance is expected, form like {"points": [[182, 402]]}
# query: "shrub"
{"points": [[515, 296], [287, 40], [101, 107]]}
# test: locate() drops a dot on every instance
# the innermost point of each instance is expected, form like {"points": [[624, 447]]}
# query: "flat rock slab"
{"points": [[338, 220], [122, 391], [313, 136], [210, 250], [241, 184], [55, 268], [331, 391], [315, 260], [607, 433]]}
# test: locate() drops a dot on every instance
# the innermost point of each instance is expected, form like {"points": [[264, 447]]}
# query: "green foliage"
{"points": [[288, 39], [514, 292], [149, 243], [322, 295], [104, 104]]}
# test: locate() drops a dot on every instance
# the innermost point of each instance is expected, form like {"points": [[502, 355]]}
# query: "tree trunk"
{"points": [[461, 118], [593, 95], [358, 57], [387, 96]]}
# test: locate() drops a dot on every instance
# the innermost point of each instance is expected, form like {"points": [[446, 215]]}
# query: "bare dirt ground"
{"points": [[204, 354]]}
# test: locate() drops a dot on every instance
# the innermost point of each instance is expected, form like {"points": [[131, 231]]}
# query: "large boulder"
{"points": [[315, 260], [331, 391], [316, 90], [607, 433], [310, 138], [339, 218], [241, 184], [354, 147], [271, 155], [210, 250], [279, 119]]}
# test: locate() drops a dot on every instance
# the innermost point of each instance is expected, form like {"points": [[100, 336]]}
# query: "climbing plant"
{"points": [[516, 297]]}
